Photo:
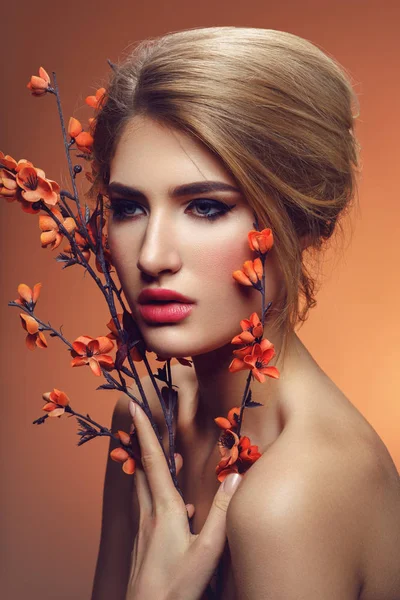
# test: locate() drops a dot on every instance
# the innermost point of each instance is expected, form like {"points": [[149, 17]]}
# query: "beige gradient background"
{"points": [[51, 490]]}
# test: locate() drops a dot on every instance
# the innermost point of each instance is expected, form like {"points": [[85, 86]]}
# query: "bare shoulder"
{"points": [[331, 478]]}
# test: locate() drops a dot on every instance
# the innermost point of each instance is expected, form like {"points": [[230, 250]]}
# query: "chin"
{"points": [[183, 349]]}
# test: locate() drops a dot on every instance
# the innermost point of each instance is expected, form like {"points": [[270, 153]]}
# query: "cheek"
{"points": [[215, 264], [123, 251]]}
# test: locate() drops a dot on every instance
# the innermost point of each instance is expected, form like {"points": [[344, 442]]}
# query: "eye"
{"points": [[205, 203], [124, 210], [121, 210]]}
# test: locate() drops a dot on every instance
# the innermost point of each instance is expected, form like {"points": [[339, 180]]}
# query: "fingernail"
{"points": [[132, 408], [231, 483]]}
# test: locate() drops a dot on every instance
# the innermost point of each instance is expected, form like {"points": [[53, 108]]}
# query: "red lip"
{"points": [[161, 295]]}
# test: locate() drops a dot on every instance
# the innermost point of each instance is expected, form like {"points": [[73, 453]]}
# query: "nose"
{"points": [[159, 251]]}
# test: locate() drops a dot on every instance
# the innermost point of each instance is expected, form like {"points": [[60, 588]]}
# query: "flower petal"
{"points": [[74, 127], [225, 472], [79, 361], [223, 423], [80, 348], [41, 340], [25, 292], [105, 344], [129, 466], [119, 455], [94, 365], [124, 437], [237, 365], [47, 238], [271, 372], [30, 341], [248, 268], [240, 277], [105, 361], [29, 323], [57, 412], [47, 223], [44, 75], [36, 292], [63, 399]]}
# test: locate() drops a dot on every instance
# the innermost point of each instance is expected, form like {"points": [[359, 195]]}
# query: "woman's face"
{"points": [[158, 240]]}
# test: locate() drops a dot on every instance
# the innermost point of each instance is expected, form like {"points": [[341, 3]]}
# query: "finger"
{"points": [[190, 510], [143, 494], [178, 462], [213, 534], [153, 460], [143, 490]]}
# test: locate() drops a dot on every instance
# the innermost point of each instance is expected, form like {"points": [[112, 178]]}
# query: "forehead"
{"points": [[148, 151]]}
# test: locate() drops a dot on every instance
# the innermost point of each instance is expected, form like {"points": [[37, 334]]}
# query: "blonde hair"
{"points": [[274, 108]]}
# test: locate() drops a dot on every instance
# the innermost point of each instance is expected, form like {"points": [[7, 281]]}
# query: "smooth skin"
{"points": [[317, 517], [166, 553]]}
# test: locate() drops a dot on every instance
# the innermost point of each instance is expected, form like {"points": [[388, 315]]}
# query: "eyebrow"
{"points": [[187, 189]]}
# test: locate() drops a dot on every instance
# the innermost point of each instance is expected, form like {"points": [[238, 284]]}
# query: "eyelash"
{"points": [[117, 208]]}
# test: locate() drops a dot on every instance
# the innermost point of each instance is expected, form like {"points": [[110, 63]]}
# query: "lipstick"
{"points": [[170, 312], [159, 305], [161, 295]]}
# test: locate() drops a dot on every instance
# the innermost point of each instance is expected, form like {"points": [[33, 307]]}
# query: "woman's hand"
{"points": [[168, 561]]}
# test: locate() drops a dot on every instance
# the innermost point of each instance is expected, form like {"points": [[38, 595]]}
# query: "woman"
{"points": [[200, 132]]}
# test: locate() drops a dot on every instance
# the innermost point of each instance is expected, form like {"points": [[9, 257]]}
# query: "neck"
{"points": [[219, 390]]}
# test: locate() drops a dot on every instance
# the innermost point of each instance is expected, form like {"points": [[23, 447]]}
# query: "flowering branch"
{"points": [[28, 185]]}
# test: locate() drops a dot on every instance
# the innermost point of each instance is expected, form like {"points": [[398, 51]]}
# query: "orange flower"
{"points": [[222, 470], [250, 274], [27, 297], [124, 437], [257, 360], [92, 351], [230, 422], [252, 329], [8, 185], [35, 337], [83, 139], [9, 188], [28, 207], [262, 241], [7, 161], [36, 187], [228, 447], [95, 101], [80, 240], [82, 244], [39, 85], [92, 125], [237, 454], [120, 455], [51, 235], [248, 453], [56, 401]]}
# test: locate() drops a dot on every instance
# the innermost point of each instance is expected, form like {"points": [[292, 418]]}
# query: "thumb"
{"points": [[213, 533]]}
